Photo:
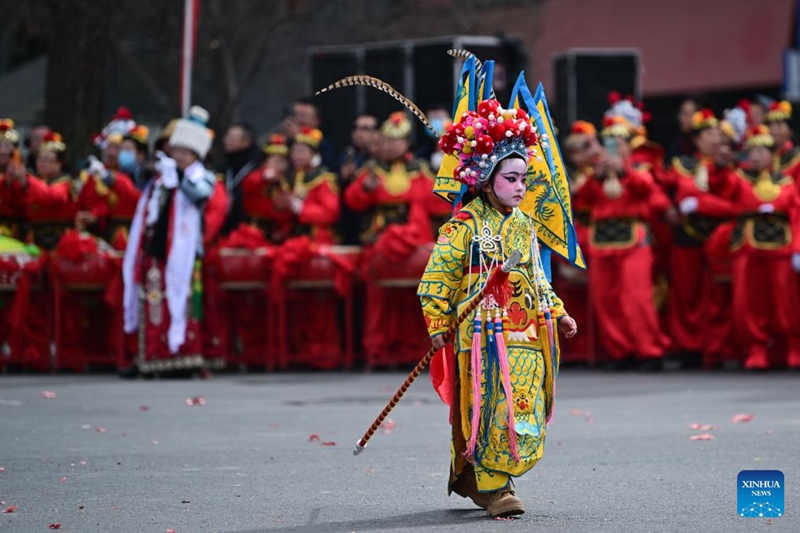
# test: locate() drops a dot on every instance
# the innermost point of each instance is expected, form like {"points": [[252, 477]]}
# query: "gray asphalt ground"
{"points": [[246, 461]]}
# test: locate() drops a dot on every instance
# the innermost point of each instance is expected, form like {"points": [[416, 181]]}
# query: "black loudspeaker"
{"points": [[338, 108], [585, 77]]}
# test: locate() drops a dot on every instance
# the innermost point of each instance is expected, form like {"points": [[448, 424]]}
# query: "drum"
{"points": [[241, 267]]}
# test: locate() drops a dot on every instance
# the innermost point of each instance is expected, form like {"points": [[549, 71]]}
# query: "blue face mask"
{"points": [[127, 160], [438, 125]]}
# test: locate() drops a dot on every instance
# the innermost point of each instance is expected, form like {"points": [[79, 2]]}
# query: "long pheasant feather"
{"points": [[381, 85]]}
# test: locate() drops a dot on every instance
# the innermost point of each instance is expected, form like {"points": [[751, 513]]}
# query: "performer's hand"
{"points": [[371, 182], [568, 326], [439, 342], [689, 205], [672, 217], [796, 262], [17, 173], [83, 219]]}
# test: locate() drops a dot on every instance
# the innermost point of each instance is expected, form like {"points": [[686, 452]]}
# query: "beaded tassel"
{"points": [[502, 356], [477, 368]]}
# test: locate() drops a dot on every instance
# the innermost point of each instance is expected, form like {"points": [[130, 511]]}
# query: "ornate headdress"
{"points": [[7, 131], [276, 145], [759, 136], [778, 111], [139, 134], [53, 142], [616, 126], [119, 127], [734, 122], [309, 136], [582, 127], [481, 140], [704, 119], [482, 127], [397, 126]]}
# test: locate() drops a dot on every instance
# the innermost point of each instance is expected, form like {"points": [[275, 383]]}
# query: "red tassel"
{"points": [[499, 288]]}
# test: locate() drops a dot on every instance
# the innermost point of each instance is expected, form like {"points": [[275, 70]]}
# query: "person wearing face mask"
{"points": [[108, 197]]}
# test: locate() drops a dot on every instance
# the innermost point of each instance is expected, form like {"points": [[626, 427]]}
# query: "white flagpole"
{"points": [[187, 54]]}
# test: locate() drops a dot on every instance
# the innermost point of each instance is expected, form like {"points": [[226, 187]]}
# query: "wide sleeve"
{"points": [[442, 278], [356, 197], [321, 206]]}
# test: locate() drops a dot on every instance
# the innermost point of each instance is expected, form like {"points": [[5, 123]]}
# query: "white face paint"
{"points": [[509, 183]]}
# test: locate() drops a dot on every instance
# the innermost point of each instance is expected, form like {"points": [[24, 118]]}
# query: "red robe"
{"points": [[398, 231], [621, 266], [571, 283], [49, 210], [306, 310], [259, 206], [243, 317], [766, 291], [690, 278], [114, 205], [787, 159]]}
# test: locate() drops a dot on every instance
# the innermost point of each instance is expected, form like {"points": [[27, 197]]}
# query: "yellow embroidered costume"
{"points": [[453, 276], [506, 353]]}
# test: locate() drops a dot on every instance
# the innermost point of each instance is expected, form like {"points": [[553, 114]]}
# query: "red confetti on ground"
{"points": [[702, 427], [313, 437], [154, 442], [704, 436], [144, 408], [504, 518], [328, 443], [388, 425], [84, 463], [767, 432], [206, 374], [197, 400], [48, 395], [63, 479], [11, 509], [578, 412], [2, 469], [54, 526], [101, 430], [589, 420], [769, 521], [742, 418], [170, 531], [275, 425]]}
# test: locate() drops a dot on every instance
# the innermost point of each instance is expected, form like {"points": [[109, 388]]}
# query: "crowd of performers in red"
{"points": [[149, 262]]}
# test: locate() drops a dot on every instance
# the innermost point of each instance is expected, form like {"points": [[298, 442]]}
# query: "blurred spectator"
{"points": [[32, 142], [241, 158], [683, 144], [428, 150], [365, 130], [305, 114]]}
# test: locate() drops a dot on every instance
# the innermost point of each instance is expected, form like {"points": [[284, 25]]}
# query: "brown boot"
{"points": [[466, 487], [504, 503]]}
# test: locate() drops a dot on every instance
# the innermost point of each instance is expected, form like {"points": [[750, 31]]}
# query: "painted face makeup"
{"points": [[510, 182]]}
